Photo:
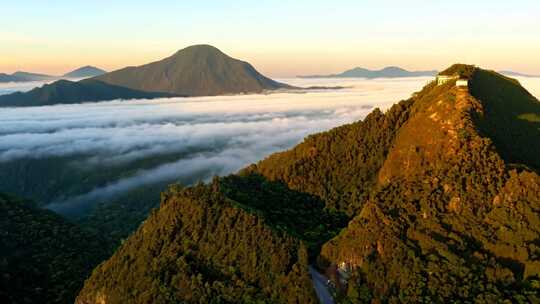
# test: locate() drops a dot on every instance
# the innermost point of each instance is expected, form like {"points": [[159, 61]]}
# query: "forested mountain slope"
{"points": [[440, 209], [202, 247], [449, 218], [432, 189], [43, 258]]}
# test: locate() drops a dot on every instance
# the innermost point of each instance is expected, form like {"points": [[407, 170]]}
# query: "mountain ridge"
{"points": [[20, 76], [518, 74], [69, 92], [387, 72]]}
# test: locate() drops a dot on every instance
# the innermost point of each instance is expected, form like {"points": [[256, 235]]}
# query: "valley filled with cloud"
{"points": [[113, 147]]}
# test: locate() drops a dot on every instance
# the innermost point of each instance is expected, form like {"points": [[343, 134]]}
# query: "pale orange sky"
{"points": [[303, 37]]}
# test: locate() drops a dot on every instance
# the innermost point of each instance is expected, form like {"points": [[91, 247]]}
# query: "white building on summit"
{"points": [[460, 82], [442, 79]]}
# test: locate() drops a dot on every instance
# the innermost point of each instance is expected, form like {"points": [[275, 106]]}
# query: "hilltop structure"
{"points": [[442, 79]]}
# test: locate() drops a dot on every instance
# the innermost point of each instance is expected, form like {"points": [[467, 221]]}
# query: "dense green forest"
{"points": [[341, 165], [442, 189], [300, 215], [43, 258], [436, 200], [118, 217], [200, 247]]}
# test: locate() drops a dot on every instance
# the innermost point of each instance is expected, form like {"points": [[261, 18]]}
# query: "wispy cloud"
{"points": [[201, 136]]}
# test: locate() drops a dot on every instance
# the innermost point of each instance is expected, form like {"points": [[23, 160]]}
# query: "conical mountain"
{"points": [[442, 193], [85, 71], [198, 70]]}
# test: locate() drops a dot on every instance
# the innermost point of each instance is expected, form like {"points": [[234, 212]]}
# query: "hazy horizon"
{"points": [[280, 40]]}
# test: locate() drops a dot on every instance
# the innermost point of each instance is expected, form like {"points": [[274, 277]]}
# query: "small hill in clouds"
{"points": [[85, 72], [388, 72], [199, 70], [9, 78], [33, 76], [442, 192], [69, 92]]}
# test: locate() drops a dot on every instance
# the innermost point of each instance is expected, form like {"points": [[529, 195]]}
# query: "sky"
{"points": [[280, 38]]}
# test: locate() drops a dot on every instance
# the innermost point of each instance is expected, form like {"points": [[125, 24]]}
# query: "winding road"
{"points": [[319, 282]]}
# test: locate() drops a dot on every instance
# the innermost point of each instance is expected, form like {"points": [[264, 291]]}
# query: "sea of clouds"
{"points": [[210, 135]]}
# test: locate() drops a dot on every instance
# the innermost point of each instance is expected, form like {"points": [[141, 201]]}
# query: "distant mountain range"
{"points": [[83, 72], [199, 70], [387, 72], [24, 77], [511, 73]]}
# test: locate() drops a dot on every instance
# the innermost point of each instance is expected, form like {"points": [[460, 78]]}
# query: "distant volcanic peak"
{"points": [[518, 74], [199, 70]]}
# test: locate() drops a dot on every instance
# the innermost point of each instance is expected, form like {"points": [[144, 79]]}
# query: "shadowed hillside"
{"points": [[68, 92], [511, 117], [43, 258]]}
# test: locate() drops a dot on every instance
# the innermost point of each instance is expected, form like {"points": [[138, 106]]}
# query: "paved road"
{"points": [[319, 282]]}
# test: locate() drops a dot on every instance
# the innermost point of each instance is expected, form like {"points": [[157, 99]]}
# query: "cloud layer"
{"points": [[201, 136]]}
